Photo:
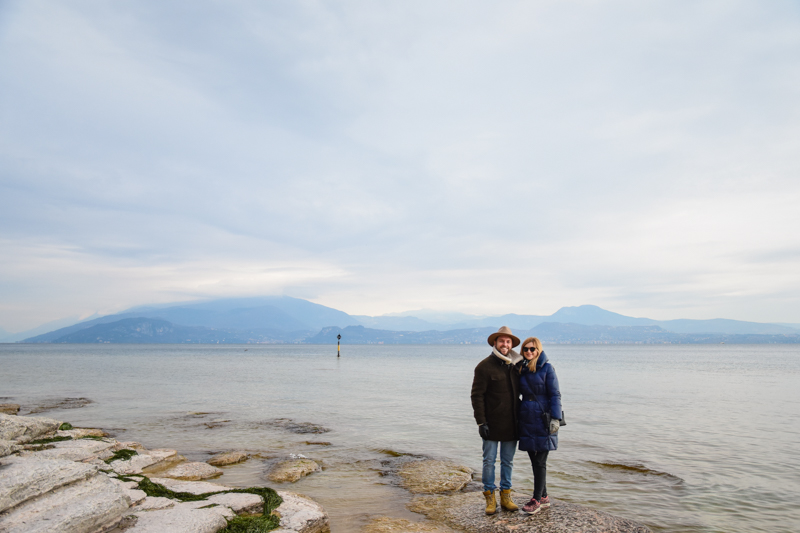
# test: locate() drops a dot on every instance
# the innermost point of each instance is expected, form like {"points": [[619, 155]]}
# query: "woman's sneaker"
{"points": [[545, 502], [532, 507]]}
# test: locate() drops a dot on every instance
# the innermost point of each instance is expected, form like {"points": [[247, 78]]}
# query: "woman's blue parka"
{"points": [[540, 394]]}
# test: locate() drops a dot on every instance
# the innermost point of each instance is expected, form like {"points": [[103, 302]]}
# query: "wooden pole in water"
{"points": [[338, 338]]}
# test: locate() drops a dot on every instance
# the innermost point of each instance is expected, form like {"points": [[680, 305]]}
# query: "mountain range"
{"points": [[283, 319]]}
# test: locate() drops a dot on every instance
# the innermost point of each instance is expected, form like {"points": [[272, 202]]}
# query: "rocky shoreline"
{"points": [[79, 480]]}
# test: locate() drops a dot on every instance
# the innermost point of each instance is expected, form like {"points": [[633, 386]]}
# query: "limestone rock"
{"points": [[7, 447], [79, 433], [154, 503], [292, 470], [432, 476], [301, 514], [9, 408], [24, 429], [386, 524], [74, 450], [193, 471], [228, 458], [24, 478], [143, 460], [465, 511], [237, 502], [91, 505], [181, 519], [193, 487]]}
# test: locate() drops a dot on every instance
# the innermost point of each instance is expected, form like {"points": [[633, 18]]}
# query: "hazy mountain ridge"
{"points": [[286, 319]]}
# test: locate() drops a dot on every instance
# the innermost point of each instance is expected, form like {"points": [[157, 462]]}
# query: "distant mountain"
{"points": [[548, 332], [286, 319], [275, 313], [141, 330]]}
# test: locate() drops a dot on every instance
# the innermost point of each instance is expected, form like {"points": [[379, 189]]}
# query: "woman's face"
{"points": [[529, 351]]}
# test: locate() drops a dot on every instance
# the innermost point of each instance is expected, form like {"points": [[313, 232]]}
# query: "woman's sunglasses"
{"points": [[526, 349]]}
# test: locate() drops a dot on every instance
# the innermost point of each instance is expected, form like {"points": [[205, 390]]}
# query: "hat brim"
{"points": [[514, 340]]}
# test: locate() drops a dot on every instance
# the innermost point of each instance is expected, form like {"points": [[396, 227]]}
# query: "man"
{"points": [[495, 398]]}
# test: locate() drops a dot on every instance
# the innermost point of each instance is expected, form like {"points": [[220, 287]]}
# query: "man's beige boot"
{"points": [[506, 502], [491, 503]]}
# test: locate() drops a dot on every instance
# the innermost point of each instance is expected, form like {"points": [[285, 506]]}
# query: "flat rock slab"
{"points": [[228, 458], [434, 477], [74, 450], [79, 433], [154, 503], [301, 514], [466, 511], [238, 502], [9, 408], [386, 524], [24, 429], [192, 471], [24, 478], [81, 507], [192, 487], [143, 459], [292, 470], [181, 519]]}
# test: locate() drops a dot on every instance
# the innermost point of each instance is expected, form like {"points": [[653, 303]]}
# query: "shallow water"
{"points": [[682, 438]]}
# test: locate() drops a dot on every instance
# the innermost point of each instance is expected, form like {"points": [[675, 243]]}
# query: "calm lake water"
{"points": [[683, 438]]}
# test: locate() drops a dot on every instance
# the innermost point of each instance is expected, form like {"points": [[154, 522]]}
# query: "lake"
{"points": [[684, 438]]}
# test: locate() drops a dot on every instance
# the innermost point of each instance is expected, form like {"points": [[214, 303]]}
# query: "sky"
{"points": [[376, 157]]}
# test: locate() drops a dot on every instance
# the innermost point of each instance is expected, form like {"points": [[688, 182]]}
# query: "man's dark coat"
{"points": [[495, 397]]}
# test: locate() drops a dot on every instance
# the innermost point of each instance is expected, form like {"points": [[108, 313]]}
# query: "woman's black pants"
{"points": [[539, 465]]}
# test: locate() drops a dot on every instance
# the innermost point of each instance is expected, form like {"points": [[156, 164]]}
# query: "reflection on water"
{"points": [[667, 435]]}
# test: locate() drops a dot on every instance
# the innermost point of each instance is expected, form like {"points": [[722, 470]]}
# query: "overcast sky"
{"points": [[375, 157]]}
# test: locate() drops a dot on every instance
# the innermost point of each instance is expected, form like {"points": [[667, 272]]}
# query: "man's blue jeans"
{"points": [[507, 449]]}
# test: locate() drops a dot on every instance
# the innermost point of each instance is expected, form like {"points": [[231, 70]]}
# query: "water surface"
{"points": [[684, 438]]}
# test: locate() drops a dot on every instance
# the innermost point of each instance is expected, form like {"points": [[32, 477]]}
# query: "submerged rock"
{"points": [[432, 476], [292, 470], [296, 427], [386, 524], [465, 511], [192, 471], [62, 403], [9, 408], [228, 458]]}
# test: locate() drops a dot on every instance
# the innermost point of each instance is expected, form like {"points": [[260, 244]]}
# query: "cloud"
{"points": [[508, 158]]}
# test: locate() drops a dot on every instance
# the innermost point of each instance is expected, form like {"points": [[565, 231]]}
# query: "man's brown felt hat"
{"points": [[503, 331]]}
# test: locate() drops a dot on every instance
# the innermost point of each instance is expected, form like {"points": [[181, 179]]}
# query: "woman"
{"points": [[539, 414]]}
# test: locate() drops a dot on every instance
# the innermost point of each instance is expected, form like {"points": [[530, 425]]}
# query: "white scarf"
{"points": [[511, 359]]}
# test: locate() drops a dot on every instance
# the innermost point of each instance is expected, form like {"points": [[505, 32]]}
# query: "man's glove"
{"points": [[483, 429], [553, 426]]}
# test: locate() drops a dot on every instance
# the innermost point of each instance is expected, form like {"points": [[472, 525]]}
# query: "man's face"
{"points": [[503, 344]]}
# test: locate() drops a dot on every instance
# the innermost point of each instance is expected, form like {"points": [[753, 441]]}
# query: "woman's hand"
{"points": [[553, 426]]}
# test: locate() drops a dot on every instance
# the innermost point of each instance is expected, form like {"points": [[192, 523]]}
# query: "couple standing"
{"points": [[516, 398]]}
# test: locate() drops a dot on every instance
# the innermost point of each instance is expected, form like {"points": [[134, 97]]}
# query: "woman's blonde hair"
{"points": [[538, 345]]}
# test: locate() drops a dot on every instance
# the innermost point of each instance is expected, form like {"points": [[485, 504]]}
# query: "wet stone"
{"points": [[192, 471], [228, 458], [433, 476], [9, 408], [386, 524], [63, 403], [293, 426], [292, 470], [465, 511]]}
